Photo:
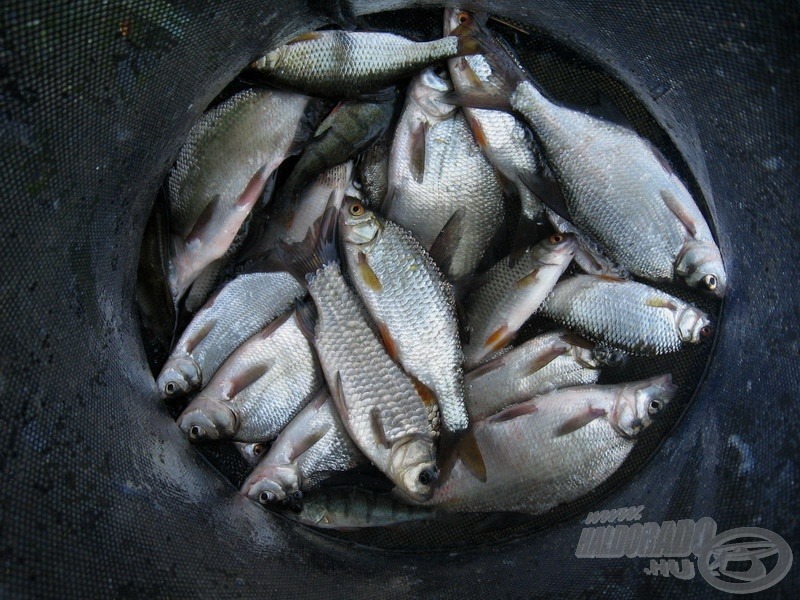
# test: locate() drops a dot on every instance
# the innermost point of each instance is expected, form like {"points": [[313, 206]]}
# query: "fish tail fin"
{"points": [[306, 315], [464, 446], [317, 249]]}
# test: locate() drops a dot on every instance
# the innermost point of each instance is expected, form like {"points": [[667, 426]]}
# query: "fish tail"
{"points": [[317, 249]]}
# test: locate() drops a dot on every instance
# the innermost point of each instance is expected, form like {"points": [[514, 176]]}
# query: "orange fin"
{"points": [[528, 279], [478, 133], [657, 302], [367, 275], [305, 37], [612, 278], [470, 454], [425, 393], [388, 340], [499, 338], [579, 421]]}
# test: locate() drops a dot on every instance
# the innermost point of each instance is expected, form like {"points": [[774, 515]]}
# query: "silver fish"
{"points": [[545, 363], [627, 315], [221, 172], [412, 305], [342, 64], [232, 315], [588, 255], [513, 291], [438, 176], [350, 509], [554, 448], [311, 447], [373, 171], [376, 400], [618, 188], [506, 142], [258, 390]]}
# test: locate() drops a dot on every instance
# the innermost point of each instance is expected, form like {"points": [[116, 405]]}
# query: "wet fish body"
{"points": [[554, 448], [514, 290], [436, 170], [373, 171], [343, 64], [541, 365], [626, 315], [258, 389], [311, 447], [239, 310], [221, 172], [411, 303]]}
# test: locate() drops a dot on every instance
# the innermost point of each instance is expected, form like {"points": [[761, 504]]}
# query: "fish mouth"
{"points": [[179, 377]]}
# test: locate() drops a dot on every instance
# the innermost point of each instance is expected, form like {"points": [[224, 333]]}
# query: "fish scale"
{"points": [[374, 390], [407, 296], [265, 406], [627, 315]]}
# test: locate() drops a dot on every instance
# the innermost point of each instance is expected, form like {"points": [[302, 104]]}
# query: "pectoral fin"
{"points": [[580, 420], [679, 211], [367, 275], [545, 359]]}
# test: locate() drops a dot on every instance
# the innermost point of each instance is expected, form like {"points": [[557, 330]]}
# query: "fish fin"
{"points": [[499, 338], [446, 243], [252, 192], [581, 420], [388, 340], [242, 380], [548, 191], [480, 139], [608, 110], [609, 277], [485, 368], [367, 275], [388, 201], [267, 262], [545, 359], [576, 340], [377, 427], [316, 250], [464, 330], [306, 443], [477, 99], [305, 37], [473, 82], [337, 395], [203, 220], [657, 302], [417, 152], [512, 412], [273, 325], [468, 41], [306, 316], [425, 393], [470, 454], [528, 279], [464, 446], [683, 216], [201, 334]]}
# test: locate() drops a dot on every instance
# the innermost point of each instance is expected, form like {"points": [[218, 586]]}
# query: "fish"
{"points": [[412, 305], [618, 189], [629, 316], [258, 389], [505, 140], [545, 363], [349, 509], [233, 314], [222, 170], [514, 290], [252, 452], [377, 402], [342, 64], [554, 448], [350, 128], [373, 171], [588, 255], [313, 445], [440, 184]]}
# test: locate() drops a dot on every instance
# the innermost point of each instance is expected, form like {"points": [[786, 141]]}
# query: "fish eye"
{"points": [[655, 406], [710, 281], [556, 238], [266, 497], [427, 476], [196, 432], [258, 449], [170, 388], [463, 17], [706, 331], [297, 496], [356, 209]]}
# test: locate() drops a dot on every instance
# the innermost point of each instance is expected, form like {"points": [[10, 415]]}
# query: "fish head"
{"points": [[428, 90], [556, 249], [208, 420], [179, 376], [359, 225], [605, 356], [700, 266], [251, 452], [273, 485], [638, 404], [412, 466], [693, 325]]}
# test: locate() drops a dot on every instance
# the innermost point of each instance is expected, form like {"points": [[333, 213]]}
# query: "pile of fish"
{"points": [[361, 256]]}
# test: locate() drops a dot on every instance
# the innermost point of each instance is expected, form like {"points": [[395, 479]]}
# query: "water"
{"points": [[573, 79]]}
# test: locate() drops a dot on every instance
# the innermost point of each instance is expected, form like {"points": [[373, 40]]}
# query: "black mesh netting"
{"points": [[101, 495]]}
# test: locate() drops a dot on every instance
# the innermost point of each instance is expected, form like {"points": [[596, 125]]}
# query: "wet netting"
{"points": [[101, 493]]}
